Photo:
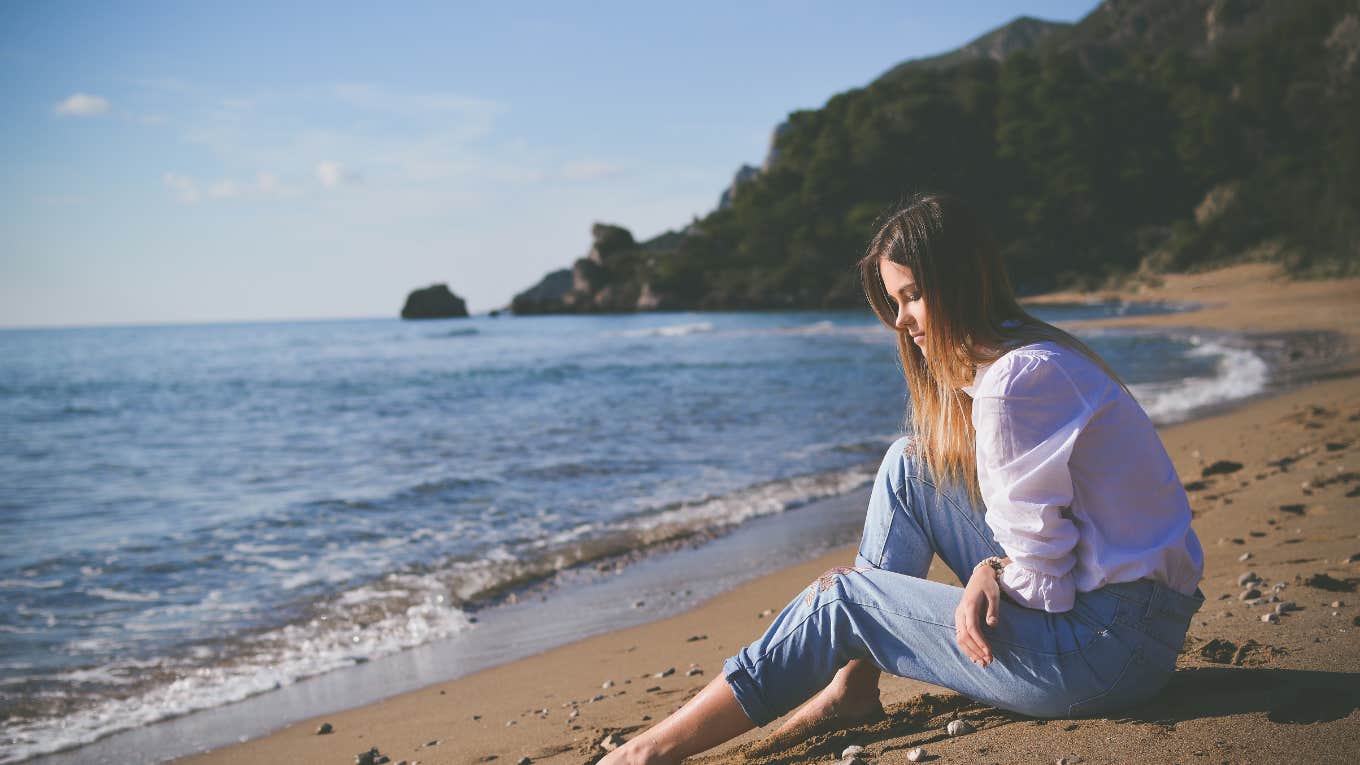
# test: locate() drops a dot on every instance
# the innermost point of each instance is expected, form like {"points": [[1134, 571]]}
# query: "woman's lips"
{"points": [[917, 338]]}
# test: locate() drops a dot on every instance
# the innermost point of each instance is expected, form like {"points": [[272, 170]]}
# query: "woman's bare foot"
{"points": [[851, 698]]}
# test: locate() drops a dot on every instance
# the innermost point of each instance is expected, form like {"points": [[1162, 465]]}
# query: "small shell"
{"points": [[916, 754]]}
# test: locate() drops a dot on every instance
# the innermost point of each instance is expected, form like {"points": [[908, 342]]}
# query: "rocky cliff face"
{"points": [[607, 279], [434, 302]]}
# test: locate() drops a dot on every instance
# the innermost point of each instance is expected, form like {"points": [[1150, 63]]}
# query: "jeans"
{"points": [[1115, 648]]}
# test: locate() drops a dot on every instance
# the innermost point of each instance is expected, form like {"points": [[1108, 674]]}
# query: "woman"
{"points": [[1031, 472]]}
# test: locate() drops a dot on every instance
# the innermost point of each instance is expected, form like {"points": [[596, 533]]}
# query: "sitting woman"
{"points": [[1036, 478]]}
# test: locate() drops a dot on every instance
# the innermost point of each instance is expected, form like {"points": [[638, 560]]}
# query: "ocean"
{"points": [[198, 514]]}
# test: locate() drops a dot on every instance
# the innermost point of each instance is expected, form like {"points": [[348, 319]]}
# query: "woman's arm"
{"points": [[1027, 423]]}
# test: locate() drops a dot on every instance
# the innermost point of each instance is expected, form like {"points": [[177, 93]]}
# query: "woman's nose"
{"points": [[902, 321]]}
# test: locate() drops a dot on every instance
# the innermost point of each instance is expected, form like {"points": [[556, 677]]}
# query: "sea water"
{"points": [[193, 515]]}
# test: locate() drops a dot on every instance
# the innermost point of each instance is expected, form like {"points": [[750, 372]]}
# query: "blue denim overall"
{"points": [[1116, 647]]}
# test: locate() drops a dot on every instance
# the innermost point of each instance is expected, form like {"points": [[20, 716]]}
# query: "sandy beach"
{"points": [[1275, 487]]}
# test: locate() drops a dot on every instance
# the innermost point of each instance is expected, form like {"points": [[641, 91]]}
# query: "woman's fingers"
{"points": [[968, 634], [993, 608], [961, 634]]}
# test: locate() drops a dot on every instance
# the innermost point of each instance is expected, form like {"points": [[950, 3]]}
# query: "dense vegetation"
{"points": [[1150, 136]]}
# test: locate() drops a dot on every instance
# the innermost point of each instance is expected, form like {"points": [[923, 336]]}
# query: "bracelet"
{"points": [[994, 563]]}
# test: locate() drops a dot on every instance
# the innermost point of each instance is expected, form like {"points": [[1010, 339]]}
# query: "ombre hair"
{"points": [[972, 318]]}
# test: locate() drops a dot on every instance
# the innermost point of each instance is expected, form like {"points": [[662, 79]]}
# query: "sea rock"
{"points": [[548, 296], [609, 278], [434, 302], [958, 727]]}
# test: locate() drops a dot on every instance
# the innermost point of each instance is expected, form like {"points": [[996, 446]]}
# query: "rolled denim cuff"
{"points": [[748, 695]]}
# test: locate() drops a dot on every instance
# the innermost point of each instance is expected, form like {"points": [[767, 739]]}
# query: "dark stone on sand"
{"points": [[434, 302], [693, 638], [523, 761], [1222, 467], [1251, 594], [324, 729], [1325, 582], [367, 758], [1196, 486], [1295, 509], [1218, 651]]}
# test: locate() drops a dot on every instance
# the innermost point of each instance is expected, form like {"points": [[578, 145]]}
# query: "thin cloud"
{"points": [[83, 105], [331, 174], [184, 188], [590, 171], [264, 186]]}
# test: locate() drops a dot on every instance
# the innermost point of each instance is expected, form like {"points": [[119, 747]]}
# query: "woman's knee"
{"points": [[896, 466]]}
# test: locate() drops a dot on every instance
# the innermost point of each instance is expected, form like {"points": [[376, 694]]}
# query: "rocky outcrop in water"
{"points": [[608, 279], [434, 302]]}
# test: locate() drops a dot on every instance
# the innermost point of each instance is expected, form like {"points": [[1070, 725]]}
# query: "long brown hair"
{"points": [[973, 319]]}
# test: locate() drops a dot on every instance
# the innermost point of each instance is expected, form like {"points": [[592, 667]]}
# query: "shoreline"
{"points": [[1329, 358]]}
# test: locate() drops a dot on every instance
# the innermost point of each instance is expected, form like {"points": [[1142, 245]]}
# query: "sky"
{"points": [[196, 162]]}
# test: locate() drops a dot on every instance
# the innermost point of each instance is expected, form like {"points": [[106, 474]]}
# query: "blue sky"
{"points": [[187, 161]]}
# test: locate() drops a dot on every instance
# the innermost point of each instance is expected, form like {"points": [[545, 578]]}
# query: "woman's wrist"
{"points": [[994, 564]]}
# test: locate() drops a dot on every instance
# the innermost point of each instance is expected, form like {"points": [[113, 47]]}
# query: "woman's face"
{"points": [[911, 306]]}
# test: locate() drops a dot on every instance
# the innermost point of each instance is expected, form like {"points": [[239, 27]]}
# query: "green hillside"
{"points": [[1152, 135]]}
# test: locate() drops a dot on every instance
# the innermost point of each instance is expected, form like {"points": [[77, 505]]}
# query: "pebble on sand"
{"points": [[1247, 578], [851, 751], [1271, 618], [1251, 594], [958, 727], [524, 761], [667, 672], [915, 755], [324, 729], [693, 672]]}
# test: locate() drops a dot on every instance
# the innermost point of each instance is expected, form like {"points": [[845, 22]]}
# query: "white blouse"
{"points": [[1079, 490]]}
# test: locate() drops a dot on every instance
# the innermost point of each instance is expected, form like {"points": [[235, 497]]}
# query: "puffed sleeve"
{"points": [[1027, 418]]}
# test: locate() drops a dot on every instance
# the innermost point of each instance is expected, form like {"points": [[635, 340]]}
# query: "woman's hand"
{"points": [[982, 594]]}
